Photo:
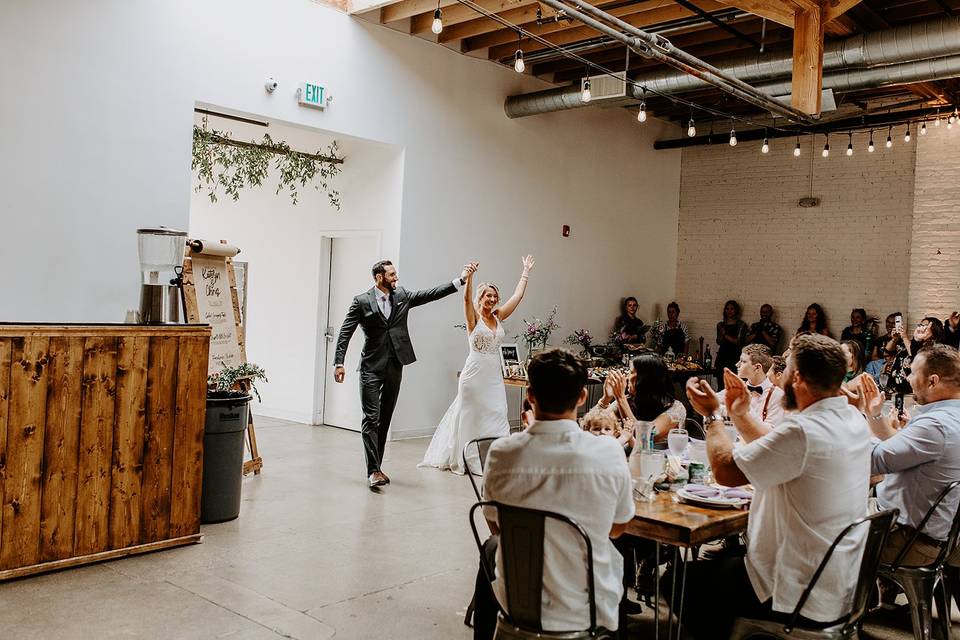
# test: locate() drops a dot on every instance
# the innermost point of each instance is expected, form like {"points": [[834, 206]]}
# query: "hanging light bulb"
{"points": [[923, 129], [850, 144], [733, 137], [936, 122], [518, 65], [437, 25], [871, 147], [826, 147], [642, 114], [906, 135], [766, 146], [889, 138], [953, 117], [950, 124], [796, 149], [691, 130], [585, 95]]}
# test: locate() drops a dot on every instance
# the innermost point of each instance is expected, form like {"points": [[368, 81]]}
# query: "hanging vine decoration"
{"points": [[221, 162]]}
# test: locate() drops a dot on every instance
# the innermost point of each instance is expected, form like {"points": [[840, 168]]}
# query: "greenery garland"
{"points": [[221, 162]]}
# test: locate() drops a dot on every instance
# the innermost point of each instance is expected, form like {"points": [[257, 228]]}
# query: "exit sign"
{"points": [[312, 95]]}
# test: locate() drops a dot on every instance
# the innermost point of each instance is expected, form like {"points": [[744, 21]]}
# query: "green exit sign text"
{"points": [[312, 95]]}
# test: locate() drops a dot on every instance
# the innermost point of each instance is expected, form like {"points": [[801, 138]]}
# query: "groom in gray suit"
{"points": [[382, 312]]}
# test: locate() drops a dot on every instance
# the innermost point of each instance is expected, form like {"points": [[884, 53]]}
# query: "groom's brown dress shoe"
{"points": [[377, 479]]}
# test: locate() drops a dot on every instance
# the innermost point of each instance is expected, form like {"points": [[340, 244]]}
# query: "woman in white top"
{"points": [[480, 408]]}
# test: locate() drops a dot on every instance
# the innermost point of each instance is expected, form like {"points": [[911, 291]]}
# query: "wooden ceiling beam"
{"points": [[456, 14], [576, 34], [807, 61], [833, 9], [779, 12], [410, 8]]}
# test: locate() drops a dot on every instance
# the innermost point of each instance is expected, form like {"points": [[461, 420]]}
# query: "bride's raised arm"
{"points": [[508, 307], [469, 313]]}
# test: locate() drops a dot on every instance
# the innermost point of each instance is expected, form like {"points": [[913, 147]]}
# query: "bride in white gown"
{"points": [[480, 408]]}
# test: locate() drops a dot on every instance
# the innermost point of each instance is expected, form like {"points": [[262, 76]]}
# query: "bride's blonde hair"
{"points": [[481, 290]]}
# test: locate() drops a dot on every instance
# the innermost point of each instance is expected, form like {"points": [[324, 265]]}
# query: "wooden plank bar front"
{"points": [[101, 441]]}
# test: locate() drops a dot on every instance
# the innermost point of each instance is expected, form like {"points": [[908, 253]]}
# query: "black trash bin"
{"points": [[226, 426]]}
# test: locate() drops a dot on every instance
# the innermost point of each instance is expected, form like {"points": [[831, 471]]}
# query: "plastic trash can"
{"points": [[226, 425]]}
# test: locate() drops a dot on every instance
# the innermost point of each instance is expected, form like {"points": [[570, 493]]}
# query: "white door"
{"points": [[350, 261]]}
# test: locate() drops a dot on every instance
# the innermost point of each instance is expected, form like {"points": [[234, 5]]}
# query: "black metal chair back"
{"points": [[521, 548], [482, 445], [946, 549], [880, 525]]}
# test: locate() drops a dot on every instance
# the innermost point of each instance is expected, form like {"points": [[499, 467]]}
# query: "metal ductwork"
{"points": [[866, 60]]}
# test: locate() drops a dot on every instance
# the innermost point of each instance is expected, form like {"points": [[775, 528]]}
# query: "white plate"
{"points": [[716, 503]]}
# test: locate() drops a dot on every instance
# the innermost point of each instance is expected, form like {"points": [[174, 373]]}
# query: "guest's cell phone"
{"points": [[898, 322]]}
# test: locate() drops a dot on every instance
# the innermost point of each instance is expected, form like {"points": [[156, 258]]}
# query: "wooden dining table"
{"points": [[667, 521]]}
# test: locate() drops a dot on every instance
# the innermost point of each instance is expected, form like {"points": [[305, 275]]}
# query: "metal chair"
{"points": [[521, 547], [921, 583], [847, 626], [482, 445]]}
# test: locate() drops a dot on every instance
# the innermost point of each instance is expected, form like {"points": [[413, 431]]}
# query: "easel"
{"points": [[191, 312]]}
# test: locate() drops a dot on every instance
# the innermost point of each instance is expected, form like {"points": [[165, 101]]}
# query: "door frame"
{"points": [[323, 310]]}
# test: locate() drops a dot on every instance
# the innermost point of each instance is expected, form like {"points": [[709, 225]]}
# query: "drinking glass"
{"points": [[731, 430], [677, 441]]}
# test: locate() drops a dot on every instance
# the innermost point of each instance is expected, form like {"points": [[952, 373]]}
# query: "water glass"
{"points": [[732, 432], [677, 441]]}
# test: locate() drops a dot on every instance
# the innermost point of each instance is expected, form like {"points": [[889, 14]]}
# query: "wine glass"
{"points": [[678, 441]]}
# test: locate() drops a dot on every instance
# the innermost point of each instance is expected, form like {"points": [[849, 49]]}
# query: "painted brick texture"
{"points": [[935, 251], [743, 236]]}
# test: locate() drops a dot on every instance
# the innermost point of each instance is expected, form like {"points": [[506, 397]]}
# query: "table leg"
{"points": [[656, 600], [683, 586], [673, 592]]}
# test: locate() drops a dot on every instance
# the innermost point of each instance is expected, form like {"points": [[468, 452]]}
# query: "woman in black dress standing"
{"points": [[630, 329], [731, 336]]}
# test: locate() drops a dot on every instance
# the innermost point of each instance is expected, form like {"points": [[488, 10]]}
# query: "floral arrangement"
{"points": [[580, 337], [658, 328], [537, 332], [228, 378], [615, 337]]}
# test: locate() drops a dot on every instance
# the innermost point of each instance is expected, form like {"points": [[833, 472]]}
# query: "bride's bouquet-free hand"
{"points": [[537, 332]]}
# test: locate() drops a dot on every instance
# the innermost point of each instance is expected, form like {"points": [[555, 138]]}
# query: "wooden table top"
{"points": [[672, 522]]}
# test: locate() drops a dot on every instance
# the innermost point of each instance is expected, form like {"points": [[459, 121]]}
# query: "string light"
{"points": [[437, 25], [906, 135], [826, 146], [889, 138], [733, 136], [936, 122], [585, 95], [923, 129], [850, 143], [953, 116], [642, 114], [870, 146], [766, 143], [796, 149], [518, 64], [691, 130]]}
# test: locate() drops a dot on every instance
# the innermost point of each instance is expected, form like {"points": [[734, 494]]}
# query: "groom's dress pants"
{"points": [[378, 396]]}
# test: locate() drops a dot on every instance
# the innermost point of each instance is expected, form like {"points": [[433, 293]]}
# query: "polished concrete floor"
{"points": [[314, 554]]}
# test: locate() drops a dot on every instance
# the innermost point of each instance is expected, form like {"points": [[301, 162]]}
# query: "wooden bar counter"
{"points": [[101, 441]]}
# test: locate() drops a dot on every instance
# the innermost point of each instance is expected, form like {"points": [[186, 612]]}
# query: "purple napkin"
{"points": [[703, 491]]}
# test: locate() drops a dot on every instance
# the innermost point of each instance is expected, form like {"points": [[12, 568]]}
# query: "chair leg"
{"points": [[468, 618], [941, 595], [920, 595]]}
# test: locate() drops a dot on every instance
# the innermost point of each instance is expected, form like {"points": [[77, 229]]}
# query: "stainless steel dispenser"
{"points": [[161, 260]]}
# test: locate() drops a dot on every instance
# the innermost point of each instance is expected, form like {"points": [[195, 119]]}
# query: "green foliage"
{"points": [[228, 378], [230, 165]]}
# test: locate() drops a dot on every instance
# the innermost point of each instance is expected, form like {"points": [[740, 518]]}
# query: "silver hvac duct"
{"points": [[860, 53]]}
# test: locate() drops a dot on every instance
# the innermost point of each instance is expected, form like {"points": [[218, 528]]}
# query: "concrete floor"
{"points": [[314, 554]]}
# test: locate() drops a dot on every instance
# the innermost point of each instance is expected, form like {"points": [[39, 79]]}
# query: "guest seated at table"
{"points": [[731, 336], [951, 330], [855, 363], [649, 397], [765, 331], [810, 477], [766, 399], [862, 330], [628, 328], [675, 334], [814, 321], [555, 466], [921, 459]]}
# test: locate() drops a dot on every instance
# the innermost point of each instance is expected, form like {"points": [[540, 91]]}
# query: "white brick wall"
{"points": [[935, 251], [742, 234]]}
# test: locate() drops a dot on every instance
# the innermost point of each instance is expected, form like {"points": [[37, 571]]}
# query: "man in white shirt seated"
{"points": [[556, 466], [766, 399], [810, 475]]}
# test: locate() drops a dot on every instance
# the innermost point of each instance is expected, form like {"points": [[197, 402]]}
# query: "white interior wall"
{"points": [[100, 123]]}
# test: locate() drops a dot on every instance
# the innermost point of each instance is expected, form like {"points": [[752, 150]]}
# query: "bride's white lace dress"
{"points": [[480, 408]]}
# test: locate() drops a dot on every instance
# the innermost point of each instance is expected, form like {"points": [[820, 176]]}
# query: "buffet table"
{"points": [[101, 441]]}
